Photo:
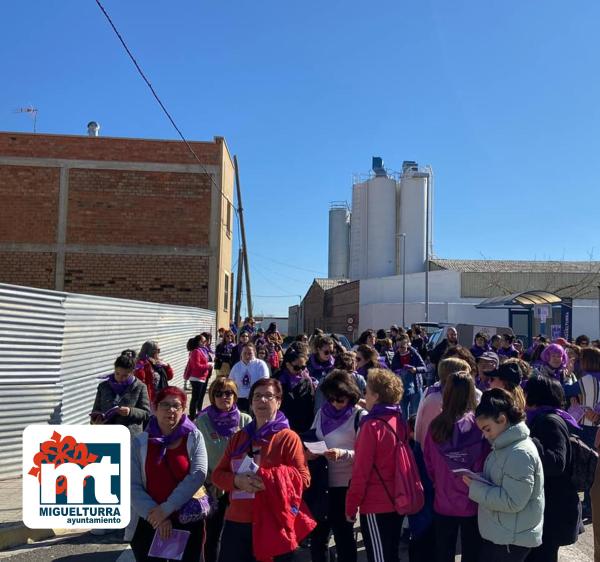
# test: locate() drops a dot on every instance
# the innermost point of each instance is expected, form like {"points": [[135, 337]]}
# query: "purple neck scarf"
{"points": [[435, 388], [318, 368], [225, 423], [332, 418], [466, 446], [532, 413], [379, 410], [292, 379], [119, 388], [156, 436], [262, 435]]}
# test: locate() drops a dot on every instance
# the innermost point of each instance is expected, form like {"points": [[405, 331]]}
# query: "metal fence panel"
{"points": [[54, 346]]}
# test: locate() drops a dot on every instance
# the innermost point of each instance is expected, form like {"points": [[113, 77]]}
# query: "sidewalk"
{"points": [[13, 531]]}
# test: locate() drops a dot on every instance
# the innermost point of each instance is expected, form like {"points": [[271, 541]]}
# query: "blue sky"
{"points": [[501, 98]]}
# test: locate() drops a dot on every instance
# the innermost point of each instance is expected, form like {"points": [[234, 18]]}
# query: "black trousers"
{"points": [[214, 526], [144, 535], [446, 530], [547, 552], [198, 392], [345, 545], [381, 535], [422, 549], [236, 544], [491, 552]]}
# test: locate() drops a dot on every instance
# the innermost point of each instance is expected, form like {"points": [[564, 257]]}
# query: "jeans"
{"points": [[345, 545], [381, 535], [446, 533], [491, 552], [588, 436], [144, 535], [198, 392], [410, 404], [236, 544]]}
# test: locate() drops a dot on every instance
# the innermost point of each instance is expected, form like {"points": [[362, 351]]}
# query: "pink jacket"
{"points": [[197, 366], [429, 408], [375, 446]]}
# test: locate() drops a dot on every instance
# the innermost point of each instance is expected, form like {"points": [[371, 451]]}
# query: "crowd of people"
{"points": [[492, 443]]}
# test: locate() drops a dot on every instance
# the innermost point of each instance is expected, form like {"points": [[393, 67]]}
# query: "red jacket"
{"points": [[280, 519], [197, 366], [375, 446], [145, 372]]}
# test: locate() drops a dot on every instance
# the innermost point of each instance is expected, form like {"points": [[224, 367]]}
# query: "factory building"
{"points": [[383, 247]]}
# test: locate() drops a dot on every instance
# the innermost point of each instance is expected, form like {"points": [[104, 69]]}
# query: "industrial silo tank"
{"points": [[413, 219], [373, 232], [339, 241]]}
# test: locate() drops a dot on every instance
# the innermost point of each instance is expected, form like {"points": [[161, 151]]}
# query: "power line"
{"points": [[162, 105], [287, 264]]}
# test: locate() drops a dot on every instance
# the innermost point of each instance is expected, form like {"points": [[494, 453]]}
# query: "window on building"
{"points": [[226, 293], [229, 214]]}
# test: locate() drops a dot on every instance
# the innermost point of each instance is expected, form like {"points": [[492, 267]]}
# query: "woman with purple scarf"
{"points": [[550, 428], [218, 423], [168, 466], [321, 361], [336, 424], [298, 400], [553, 362], [121, 398], [455, 442]]}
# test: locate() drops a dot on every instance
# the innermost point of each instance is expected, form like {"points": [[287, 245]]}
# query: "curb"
{"points": [[18, 534]]}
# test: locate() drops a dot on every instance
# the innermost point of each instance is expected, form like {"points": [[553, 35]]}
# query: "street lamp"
{"points": [[403, 236]]}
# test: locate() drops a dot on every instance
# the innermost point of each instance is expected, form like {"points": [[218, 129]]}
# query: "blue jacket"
{"points": [[511, 509], [412, 382]]}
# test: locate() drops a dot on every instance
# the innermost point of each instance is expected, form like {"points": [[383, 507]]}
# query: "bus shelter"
{"points": [[531, 313]]}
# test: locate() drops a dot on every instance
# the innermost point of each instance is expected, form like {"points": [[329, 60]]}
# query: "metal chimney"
{"points": [[93, 129], [378, 168]]}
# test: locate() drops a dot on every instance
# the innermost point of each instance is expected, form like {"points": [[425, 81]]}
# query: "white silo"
{"points": [[413, 215], [339, 240], [374, 225]]}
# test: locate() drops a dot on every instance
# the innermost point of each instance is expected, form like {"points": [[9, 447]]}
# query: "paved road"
{"points": [[109, 548]]}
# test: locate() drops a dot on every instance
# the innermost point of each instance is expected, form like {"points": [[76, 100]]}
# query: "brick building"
{"points": [[131, 218]]}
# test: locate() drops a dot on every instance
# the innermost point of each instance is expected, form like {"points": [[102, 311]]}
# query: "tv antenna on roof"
{"points": [[33, 111]]}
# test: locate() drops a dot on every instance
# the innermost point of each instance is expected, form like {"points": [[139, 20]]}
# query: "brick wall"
{"points": [[313, 308], [138, 207], [167, 279], [107, 148], [28, 204], [31, 269], [341, 302]]}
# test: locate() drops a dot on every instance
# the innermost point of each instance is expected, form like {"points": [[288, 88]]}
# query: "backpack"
{"points": [[583, 463], [409, 496]]}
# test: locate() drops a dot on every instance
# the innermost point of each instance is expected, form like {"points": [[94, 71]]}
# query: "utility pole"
{"points": [[238, 292], [243, 229]]}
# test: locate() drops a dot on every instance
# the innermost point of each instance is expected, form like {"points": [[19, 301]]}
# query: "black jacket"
{"points": [[298, 405], [562, 511]]}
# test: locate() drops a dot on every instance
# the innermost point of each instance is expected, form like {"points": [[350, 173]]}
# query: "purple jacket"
{"points": [[467, 448], [510, 352], [477, 351]]}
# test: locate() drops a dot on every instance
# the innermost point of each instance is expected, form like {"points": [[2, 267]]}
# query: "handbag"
{"points": [[200, 506]]}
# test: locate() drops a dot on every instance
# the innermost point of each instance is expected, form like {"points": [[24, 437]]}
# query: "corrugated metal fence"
{"points": [[54, 346]]}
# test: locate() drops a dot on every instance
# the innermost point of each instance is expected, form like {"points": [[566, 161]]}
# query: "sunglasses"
{"points": [[298, 367], [326, 351], [338, 399], [223, 393]]}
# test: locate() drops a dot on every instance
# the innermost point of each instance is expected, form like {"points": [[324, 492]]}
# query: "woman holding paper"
{"points": [[511, 502], [455, 443], [264, 471], [336, 425], [218, 423], [168, 467], [550, 428], [121, 398]]}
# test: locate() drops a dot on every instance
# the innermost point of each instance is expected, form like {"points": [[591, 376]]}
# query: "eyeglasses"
{"points": [[268, 397], [223, 393], [338, 399], [166, 406], [298, 367]]}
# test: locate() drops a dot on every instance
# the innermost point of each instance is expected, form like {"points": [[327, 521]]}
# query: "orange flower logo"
{"points": [[59, 450]]}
